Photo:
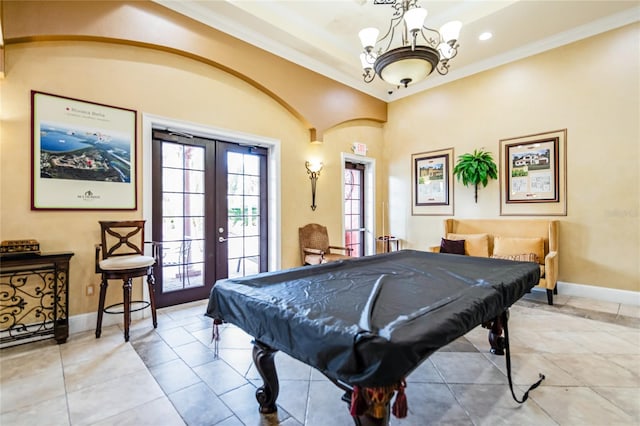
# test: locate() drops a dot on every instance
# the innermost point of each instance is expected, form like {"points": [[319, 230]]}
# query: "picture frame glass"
{"points": [[83, 155], [431, 183], [533, 174], [431, 180]]}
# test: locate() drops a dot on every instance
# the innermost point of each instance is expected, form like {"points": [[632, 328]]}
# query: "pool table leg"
{"points": [[496, 340], [268, 392], [365, 419]]}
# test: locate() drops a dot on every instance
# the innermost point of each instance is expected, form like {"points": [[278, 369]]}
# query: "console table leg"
{"points": [[61, 331], [268, 392]]}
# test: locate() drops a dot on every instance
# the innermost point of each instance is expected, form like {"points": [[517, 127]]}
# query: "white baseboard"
{"points": [[86, 322], [599, 293]]}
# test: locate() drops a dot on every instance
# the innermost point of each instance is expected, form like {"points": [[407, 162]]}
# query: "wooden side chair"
{"points": [[315, 247], [120, 256]]}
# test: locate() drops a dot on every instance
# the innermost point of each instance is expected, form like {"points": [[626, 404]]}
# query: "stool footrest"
{"points": [[145, 304]]}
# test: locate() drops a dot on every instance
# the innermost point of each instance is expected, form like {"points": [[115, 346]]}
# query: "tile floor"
{"points": [[588, 350]]}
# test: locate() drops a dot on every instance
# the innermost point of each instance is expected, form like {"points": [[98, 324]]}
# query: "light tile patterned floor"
{"points": [[588, 350]]}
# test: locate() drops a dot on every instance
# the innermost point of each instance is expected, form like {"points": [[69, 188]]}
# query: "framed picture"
{"points": [[83, 155], [533, 174], [431, 188]]}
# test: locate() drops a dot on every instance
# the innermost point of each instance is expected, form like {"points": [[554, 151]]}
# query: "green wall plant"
{"points": [[476, 168]]}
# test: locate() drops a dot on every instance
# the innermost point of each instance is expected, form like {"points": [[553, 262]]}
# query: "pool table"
{"points": [[366, 323]]}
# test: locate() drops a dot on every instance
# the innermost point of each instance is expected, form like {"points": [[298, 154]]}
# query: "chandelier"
{"points": [[422, 49]]}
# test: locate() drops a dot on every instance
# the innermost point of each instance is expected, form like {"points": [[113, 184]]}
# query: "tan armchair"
{"points": [[315, 248]]}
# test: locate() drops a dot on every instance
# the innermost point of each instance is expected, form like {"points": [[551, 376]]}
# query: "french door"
{"points": [[209, 213], [354, 220]]}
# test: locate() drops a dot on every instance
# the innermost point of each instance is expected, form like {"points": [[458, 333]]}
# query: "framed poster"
{"points": [[431, 178], [534, 174], [83, 155]]}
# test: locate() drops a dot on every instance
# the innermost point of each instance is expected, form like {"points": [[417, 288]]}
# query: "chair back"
{"points": [[122, 238], [313, 236]]}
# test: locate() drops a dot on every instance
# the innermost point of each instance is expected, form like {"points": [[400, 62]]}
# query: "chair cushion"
{"points": [[332, 257], [120, 263], [474, 244], [452, 246], [313, 259], [503, 246], [524, 257]]}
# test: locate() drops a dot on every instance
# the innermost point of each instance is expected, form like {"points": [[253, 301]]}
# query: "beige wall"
{"points": [[318, 101], [162, 84], [592, 88], [595, 97]]}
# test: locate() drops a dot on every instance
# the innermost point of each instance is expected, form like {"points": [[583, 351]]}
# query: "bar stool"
{"points": [[120, 256]]}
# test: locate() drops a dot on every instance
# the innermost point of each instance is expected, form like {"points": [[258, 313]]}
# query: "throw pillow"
{"points": [[452, 246], [474, 244]]}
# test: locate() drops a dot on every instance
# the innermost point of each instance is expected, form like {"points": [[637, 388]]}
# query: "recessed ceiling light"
{"points": [[485, 36]]}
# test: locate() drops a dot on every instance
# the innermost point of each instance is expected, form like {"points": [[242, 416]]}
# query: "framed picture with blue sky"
{"points": [[83, 155]]}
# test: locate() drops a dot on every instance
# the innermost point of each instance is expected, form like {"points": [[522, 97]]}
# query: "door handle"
{"points": [[221, 239]]}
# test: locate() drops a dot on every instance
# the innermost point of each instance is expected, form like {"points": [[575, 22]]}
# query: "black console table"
{"points": [[34, 297]]}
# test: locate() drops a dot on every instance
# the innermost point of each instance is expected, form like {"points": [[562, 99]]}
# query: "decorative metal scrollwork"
{"points": [[33, 300]]}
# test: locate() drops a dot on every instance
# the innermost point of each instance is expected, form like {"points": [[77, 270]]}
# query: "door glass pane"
{"points": [[353, 208], [251, 246], [172, 228], [251, 206], [194, 157], [172, 204], [235, 163], [195, 229], [243, 204], [194, 204], [235, 247], [182, 256], [194, 181], [172, 180], [252, 185], [171, 155], [252, 165], [234, 184], [235, 204]]}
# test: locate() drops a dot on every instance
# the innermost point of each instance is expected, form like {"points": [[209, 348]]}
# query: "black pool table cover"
{"points": [[371, 320]]}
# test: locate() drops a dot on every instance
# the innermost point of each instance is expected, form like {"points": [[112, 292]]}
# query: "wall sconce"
{"points": [[313, 169]]}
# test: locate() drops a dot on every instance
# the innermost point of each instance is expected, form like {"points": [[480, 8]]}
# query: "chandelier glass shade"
{"points": [[409, 51]]}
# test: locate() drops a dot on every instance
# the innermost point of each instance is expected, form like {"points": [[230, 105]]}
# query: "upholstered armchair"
{"points": [[315, 247]]}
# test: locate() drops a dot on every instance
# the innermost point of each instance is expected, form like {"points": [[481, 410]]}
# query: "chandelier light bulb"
{"points": [[451, 31], [409, 51], [368, 38], [414, 18]]}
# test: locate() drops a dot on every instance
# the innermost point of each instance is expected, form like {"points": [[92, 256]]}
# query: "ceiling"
{"points": [[323, 35]]}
